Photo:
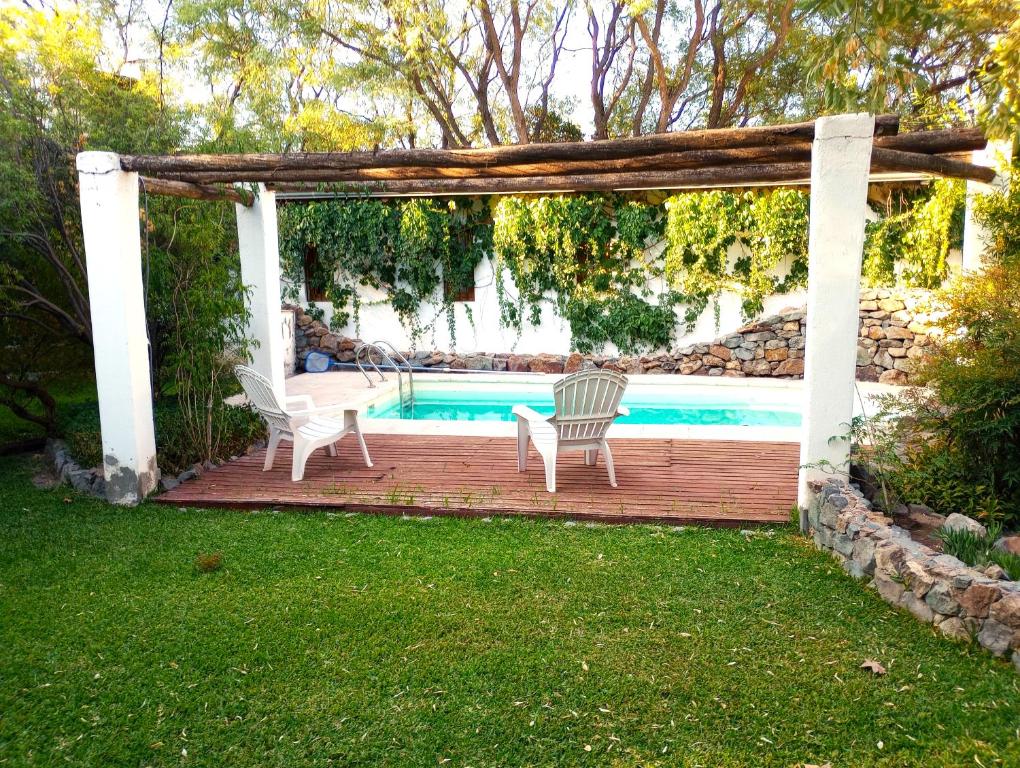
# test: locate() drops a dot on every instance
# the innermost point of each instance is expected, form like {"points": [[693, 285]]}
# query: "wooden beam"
{"points": [[702, 158], [895, 160], [609, 149], [935, 142], [195, 191], [726, 176]]}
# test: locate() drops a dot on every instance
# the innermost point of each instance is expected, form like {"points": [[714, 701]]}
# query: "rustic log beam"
{"points": [[935, 142], [195, 191], [702, 158], [726, 176], [895, 160], [608, 149]]}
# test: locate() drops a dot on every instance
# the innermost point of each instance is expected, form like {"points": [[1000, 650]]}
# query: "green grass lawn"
{"points": [[329, 639]]}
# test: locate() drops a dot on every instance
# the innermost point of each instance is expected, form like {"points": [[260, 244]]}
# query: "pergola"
{"points": [[836, 157]]}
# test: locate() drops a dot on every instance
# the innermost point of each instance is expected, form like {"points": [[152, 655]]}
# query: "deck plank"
{"points": [[710, 482]]}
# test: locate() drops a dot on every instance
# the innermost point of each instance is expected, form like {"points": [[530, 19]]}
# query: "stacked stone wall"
{"points": [[895, 328], [938, 589]]}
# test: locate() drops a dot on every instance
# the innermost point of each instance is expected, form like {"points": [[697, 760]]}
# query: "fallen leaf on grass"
{"points": [[873, 666]]}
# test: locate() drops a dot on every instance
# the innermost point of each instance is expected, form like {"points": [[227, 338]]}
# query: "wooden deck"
{"points": [[722, 483]]}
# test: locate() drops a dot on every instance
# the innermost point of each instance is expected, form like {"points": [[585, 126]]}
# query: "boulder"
{"points": [[1009, 544], [976, 599], [574, 363], [721, 351], [546, 364], [892, 377], [793, 366], [958, 522], [519, 363]]}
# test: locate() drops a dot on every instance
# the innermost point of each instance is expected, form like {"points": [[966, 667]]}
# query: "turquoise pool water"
{"points": [[484, 402]]}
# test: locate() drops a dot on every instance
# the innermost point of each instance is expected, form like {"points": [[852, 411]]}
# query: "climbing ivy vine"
{"points": [[410, 249], [619, 268], [916, 237]]}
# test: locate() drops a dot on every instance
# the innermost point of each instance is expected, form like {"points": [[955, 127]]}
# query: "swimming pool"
{"points": [[485, 401]]}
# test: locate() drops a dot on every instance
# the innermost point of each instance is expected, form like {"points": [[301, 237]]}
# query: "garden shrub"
{"points": [[238, 428], [955, 444], [980, 551]]}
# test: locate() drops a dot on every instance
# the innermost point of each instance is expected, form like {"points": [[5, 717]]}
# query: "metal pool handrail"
{"points": [[387, 358]]}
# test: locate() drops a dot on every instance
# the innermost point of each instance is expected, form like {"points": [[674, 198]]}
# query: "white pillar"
{"points": [[260, 272], [840, 163], [113, 256], [996, 155]]}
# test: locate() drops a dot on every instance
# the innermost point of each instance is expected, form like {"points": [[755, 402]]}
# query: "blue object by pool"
{"points": [[486, 402], [316, 362]]}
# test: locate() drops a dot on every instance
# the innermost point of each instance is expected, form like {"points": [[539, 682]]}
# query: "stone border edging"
{"points": [[88, 481], [936, 588]]}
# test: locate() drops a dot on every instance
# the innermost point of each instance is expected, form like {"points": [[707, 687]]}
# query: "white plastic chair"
{"points": [[308, 428], [587, 404]]}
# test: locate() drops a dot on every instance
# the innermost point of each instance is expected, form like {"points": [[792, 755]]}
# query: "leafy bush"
{"points": [[238, 428], [955, 444]]}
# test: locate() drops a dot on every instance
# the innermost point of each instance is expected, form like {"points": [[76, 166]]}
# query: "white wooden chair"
{"points": [[587, 404], [308, 428]]}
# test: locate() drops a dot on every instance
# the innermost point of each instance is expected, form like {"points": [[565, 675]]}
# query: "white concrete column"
{"points": [[840, 163], [113, 256], [996, 155], [258, 243]]}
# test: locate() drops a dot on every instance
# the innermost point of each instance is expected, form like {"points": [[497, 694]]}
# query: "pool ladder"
{"points": [[375, 350]]}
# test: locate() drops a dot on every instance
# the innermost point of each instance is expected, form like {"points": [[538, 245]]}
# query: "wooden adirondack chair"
{"points": [[587, 404], [309, 428]]}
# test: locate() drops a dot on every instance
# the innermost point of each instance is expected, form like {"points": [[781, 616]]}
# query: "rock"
{"points": [[519, 363], [884, 360], [864, 356], [994, 571], [891, 305], [478, 363], [574, 363], [904, 364], [777, 355], [793, 366], [891, 591], [169, 482], [894, 332], [720, 351], [1009, 544], [733, 341], [760, 336], [757, 368], [955, 629], [917, 606], [958, 522], [546, 364], [1007, 611], [892, 377], [941, 600], [977, 598], [996, 637]]}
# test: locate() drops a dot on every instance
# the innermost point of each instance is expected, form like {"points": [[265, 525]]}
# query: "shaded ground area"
{"points": [[711, 482], [334, 639]]}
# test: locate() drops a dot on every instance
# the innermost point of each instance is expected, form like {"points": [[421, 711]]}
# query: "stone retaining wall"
{"points": [[895, 327], [962, 602]]}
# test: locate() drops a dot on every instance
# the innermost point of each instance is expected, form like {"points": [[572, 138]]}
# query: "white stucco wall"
{"points": [[486, 334]]}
